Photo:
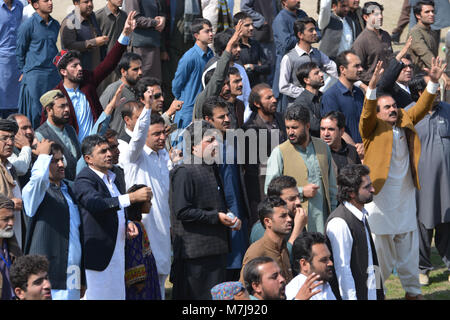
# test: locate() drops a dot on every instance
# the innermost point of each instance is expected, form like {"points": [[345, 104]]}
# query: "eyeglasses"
{"points": [[6, 138], [408, 66], [157, 95]]}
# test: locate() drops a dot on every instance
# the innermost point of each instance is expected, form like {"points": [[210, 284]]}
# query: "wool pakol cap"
{"points": [[48, 97]]}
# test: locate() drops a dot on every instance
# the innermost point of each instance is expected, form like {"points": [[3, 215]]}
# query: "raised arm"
{"points": [[368, 118]]}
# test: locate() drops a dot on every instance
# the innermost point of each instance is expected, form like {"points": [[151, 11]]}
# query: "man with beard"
{"points": [[312, 259], [80, 31], [397, 75], [200, 225], [310, 77], [9, 248], [373, 44], [54, 228], [274, 216], [393, 153], [345, 97], [57, 129], [306, 33], [263, 279], [130, 68], [79, 86], [308, 160], [355, 257], [264, 123]]}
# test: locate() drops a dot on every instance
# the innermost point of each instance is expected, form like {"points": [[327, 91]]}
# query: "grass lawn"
{"points": [[438, 289]]}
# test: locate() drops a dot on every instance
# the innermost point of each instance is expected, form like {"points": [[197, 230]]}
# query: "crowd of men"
{"points": [[238, 149]]}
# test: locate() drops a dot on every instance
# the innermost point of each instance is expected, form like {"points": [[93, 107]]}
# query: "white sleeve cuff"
{"points": [[125, 40], [371, 94], [124, 200], [432, 87]]}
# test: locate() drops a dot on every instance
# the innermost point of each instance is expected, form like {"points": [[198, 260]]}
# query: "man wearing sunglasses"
{"points": [[397, 75]]}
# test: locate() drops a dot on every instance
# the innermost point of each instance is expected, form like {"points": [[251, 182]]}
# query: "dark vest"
{"points": [[49, 134], [194, 239], [331, 36], [147, 37], [48, 234], [124, 136], [360, 253]]}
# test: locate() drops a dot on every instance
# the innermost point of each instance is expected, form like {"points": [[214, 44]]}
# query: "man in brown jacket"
{"points": [[274, 216], [392, 151]]}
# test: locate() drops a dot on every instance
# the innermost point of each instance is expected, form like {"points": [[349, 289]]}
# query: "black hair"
{"points": [[143, 83], [254, 96], [240, 16], [368, 7], [278, 184], [300, 24], [251, 273], [417, 85], [90, 142], [68, 58], [349, 180], [111, 133], [129, 107], [417, 9], [198, 23], [210, 104], [126, 59], [134, 210], [25, 266], [156, 118], [221, 40], [338, 116], [297, 113], [304, 70], [341, 59], [302, 247], [55, 147], [265, 208]]}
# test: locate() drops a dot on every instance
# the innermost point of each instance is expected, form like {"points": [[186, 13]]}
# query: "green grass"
{"points": [[438, 289]]}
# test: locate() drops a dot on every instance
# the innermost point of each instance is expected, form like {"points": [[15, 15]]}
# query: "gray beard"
{"points": [[6, 234]]}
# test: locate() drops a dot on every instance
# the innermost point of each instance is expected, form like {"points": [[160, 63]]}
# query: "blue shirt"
{"points": [[32, 195], [350, 103], [187, 83], [9, 23], [36, 43], [82, 111]]}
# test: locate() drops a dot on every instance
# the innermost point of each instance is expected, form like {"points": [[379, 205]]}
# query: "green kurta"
{"points": [[317, 206]]}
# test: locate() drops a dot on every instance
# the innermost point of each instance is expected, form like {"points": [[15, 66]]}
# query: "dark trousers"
{"points": [[441, 241], [403, 20], [193, 279]]}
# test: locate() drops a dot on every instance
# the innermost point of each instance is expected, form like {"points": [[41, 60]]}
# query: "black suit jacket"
{"points": [[388, 84], [99, 217]]}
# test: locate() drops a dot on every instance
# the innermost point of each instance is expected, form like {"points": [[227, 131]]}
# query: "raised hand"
{"points": [[437, 69], [404, 50], [115, 101], [377, 73], [130, 24], [306, 290]]}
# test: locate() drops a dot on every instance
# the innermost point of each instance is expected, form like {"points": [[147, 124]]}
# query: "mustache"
{"points": [[393, 113]]}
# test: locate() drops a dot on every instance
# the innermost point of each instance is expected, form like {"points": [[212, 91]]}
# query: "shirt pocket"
{"points": [[443, 127]]}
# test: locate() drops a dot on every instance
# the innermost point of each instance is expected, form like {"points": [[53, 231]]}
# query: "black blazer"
{"points": [[388, 84], [99, 217]]}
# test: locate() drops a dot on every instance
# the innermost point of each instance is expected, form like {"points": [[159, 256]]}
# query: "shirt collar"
{"points": [[355, 211], [41, 20], [201, 52], [301, 52], [343, 89], [111, 176]]}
